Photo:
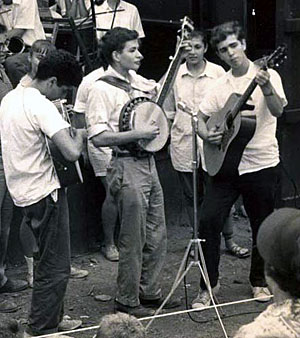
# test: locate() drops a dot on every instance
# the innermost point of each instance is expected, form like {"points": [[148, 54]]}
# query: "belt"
{"points": [[137, 156]]}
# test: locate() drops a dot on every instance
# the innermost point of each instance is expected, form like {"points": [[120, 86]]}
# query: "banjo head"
{"points": [[149, 114], [139, 113]]}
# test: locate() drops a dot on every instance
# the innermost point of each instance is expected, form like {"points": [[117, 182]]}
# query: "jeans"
{"points": [[142, 239], [258, 192], [50, 224], [6, 212]]}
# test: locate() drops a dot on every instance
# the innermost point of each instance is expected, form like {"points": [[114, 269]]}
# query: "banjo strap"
{"points": [[117, 82]]}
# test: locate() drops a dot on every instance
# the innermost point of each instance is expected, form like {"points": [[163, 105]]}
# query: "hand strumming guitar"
{"points": [[214, 136]]}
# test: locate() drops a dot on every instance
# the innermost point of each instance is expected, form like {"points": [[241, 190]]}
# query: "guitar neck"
{"points": [[243, 99], [169, 78]]}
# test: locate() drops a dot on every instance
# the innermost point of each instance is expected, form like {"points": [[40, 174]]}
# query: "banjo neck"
{"points": [[169, 78], [186, 28]]}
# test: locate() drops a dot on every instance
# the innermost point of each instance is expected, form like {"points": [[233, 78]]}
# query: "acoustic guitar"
{"points": [[142, 111], [237, 130], [68, 173]]}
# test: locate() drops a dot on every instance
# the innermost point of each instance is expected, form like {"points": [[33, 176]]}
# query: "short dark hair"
{"points": [[42, 46], [61, 64], [120, 325], [199, 33], [115, 40], [220, 33]]}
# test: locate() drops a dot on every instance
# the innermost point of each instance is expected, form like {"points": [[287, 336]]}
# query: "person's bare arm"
{"points": [[273, 100], [110, 138], [70, 147]]}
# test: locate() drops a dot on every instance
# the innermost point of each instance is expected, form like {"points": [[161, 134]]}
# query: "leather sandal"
{"points": [[238, 251]]}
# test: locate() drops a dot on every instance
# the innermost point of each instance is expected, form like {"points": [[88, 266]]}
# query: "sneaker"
{"points": [[262, 294], [203, 299], [110, 252], [13, 285], [136, 311], [78, 273], [8, 307], [156, 303], [69, 324]]}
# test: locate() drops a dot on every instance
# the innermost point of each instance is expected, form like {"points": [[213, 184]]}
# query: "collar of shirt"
{"points": [[251, 72], [107, 8], [135, 80], [208, 71]]}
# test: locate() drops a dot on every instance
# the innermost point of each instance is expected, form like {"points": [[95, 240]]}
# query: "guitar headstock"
{"points": [[275, 59], [187, 26]]}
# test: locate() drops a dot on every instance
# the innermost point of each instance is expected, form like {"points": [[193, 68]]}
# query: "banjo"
{"points": [[142, 111]]}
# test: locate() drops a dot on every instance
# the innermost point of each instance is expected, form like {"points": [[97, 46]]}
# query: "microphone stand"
{"points": [[195, 242]]}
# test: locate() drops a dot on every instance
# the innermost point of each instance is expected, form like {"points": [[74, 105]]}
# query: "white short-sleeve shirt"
{"points": [[262, 150], [26, 116], [127, 16], [190, 90], [84, 87], [24, 14]]}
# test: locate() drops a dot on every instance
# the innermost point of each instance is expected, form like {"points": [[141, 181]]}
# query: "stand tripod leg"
{"points": [[182, 273], [204, 275], [174, 287], [183, 262]]}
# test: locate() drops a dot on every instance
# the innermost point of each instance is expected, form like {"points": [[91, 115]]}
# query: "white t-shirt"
{"points": [[26, 116], [262, 150]]}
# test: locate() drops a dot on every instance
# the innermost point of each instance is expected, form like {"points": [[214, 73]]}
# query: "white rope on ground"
{"points": [[89, 328]]}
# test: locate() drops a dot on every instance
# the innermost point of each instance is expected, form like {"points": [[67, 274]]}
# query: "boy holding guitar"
{"points": [[255, 175], [194, 78], [27, 116]]}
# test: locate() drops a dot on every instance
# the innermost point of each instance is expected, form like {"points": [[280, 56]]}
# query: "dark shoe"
{"points": [[137, 311], [156, 303], [8, 307], [13, 285]]}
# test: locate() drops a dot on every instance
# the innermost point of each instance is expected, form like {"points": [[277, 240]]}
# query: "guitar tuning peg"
{"points": [[171, 57]]}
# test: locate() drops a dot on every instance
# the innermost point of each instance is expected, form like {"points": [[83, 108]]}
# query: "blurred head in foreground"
{"points": [[120, 325], [278, 242]]}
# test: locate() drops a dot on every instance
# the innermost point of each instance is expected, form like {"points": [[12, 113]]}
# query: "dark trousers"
{"points": [[258, 192], [50, 224], [186, 183]]}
